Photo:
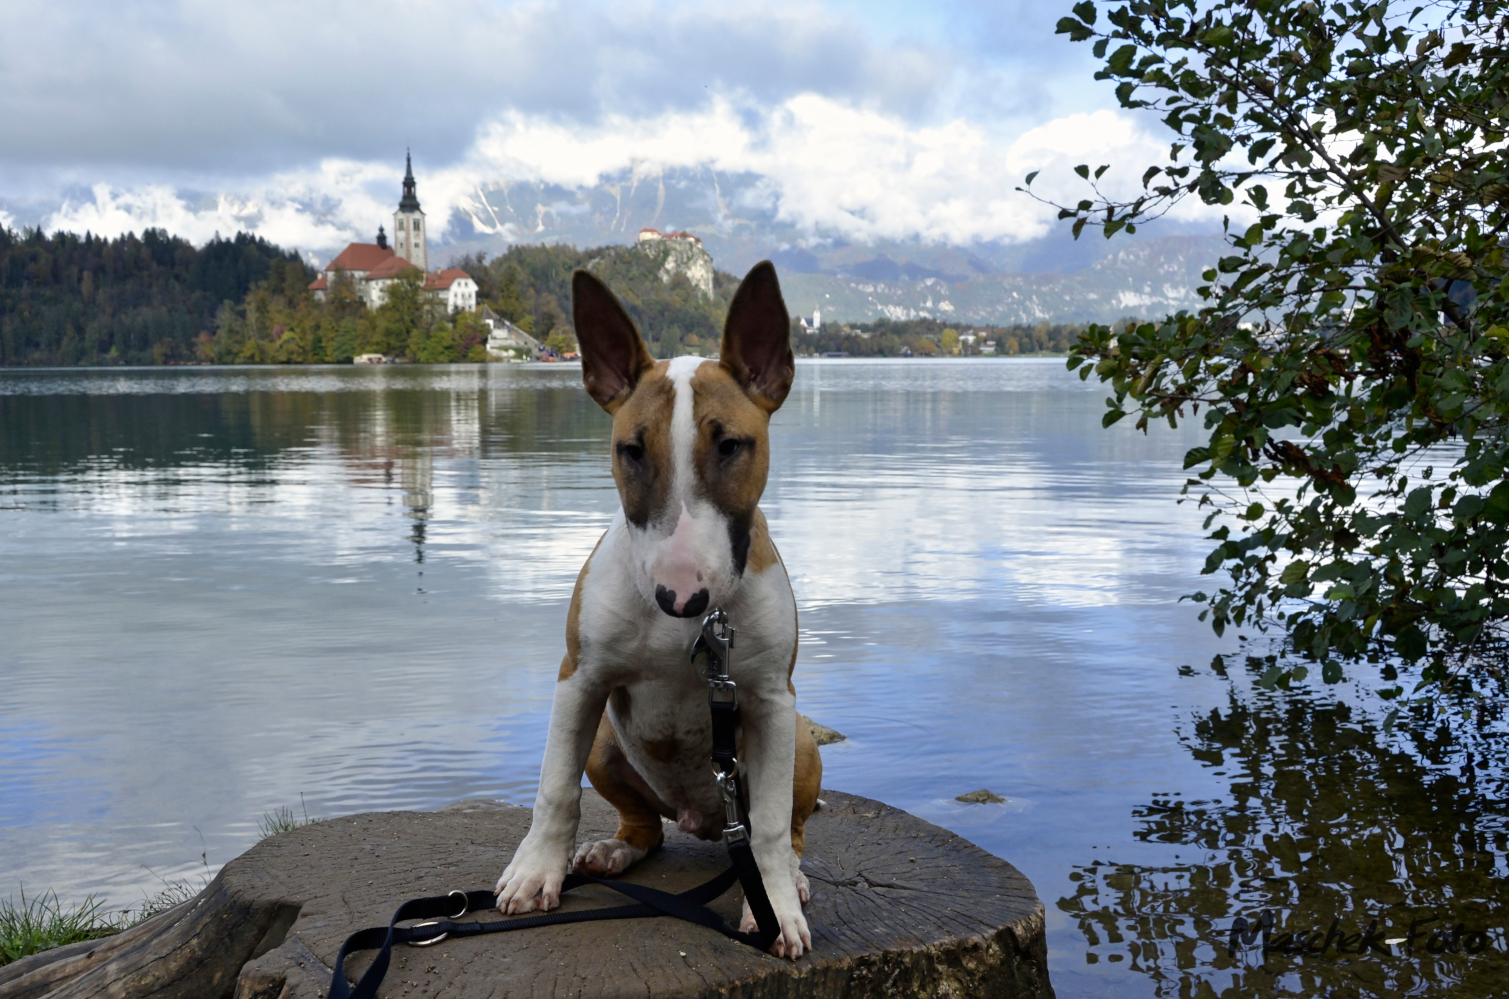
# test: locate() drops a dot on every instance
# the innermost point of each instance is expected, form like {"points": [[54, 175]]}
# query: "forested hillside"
{"points": [[67, 299], [279, 322], [531, 285]]}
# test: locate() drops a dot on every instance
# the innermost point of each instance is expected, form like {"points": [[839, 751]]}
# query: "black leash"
{"points": [[438, 915]]}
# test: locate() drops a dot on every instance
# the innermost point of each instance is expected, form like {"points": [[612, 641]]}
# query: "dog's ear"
{"points": [[613, 355], [757, 348]]}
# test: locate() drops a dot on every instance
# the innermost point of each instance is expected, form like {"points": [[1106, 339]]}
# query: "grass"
{"points": [[39, 923], [282, 820], [42, 922]]}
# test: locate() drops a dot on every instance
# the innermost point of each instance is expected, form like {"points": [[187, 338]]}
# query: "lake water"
{"points": [[342, 589]]}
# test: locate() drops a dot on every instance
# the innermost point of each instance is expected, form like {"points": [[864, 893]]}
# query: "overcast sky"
{"points": [[871, 119]]}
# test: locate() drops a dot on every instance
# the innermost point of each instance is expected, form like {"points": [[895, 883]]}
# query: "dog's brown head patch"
{"points": [[691, 447]]}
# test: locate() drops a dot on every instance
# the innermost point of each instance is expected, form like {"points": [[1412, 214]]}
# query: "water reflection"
{"points": [[1379, 858]]}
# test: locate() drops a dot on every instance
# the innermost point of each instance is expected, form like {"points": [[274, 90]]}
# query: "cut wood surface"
{"points": [[900, 907]]}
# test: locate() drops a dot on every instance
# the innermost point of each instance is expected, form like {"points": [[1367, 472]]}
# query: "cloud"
{"points": [[825, 166], [862, 121], [197, 85]]}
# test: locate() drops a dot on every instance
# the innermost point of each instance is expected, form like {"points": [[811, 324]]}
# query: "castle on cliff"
{"points": [[371, 268]]}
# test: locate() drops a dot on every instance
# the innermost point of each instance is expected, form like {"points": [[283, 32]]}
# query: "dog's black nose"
{"points": [[696, 605]]}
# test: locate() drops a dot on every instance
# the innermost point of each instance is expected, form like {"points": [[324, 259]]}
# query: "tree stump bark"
{"points": [[900, 907]]}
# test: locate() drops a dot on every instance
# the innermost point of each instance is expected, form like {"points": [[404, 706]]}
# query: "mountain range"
{"points": [[740, 220], [1053, 278]]}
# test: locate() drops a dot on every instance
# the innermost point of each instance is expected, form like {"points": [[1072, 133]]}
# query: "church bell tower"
{"points": [[409, 223]]}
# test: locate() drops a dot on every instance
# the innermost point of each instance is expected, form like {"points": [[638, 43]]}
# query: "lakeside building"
{"points": [[507, 341], [371, 268]]}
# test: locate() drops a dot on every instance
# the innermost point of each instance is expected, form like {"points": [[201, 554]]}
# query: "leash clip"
{"points": [[714, 641], [728, 790]]}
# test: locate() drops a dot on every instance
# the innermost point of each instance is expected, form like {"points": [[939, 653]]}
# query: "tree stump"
{"points": [[900, 907]]}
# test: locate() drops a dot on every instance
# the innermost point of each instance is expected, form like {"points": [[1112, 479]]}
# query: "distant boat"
{"points": [[836, 354], [371, 359]]}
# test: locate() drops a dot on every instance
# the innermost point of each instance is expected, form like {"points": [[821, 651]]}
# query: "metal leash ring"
{"points": [[428, 941], [431, 923]]}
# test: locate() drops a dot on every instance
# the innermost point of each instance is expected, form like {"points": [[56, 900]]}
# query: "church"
{"points": [[372, 267]]}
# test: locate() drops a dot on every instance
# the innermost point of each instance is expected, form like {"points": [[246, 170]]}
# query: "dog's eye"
{"points": [[632, 451], [728, 446]]}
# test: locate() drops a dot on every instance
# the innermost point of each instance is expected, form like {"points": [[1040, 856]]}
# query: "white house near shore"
{"points": [[507, 341], [371, 268]]}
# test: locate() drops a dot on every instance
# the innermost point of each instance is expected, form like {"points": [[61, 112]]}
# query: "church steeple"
{"points": [[409, 223], [410, 201]]}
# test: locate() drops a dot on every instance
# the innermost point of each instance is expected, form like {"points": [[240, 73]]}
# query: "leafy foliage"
{"points": [[67, 299], [1350, 361]]}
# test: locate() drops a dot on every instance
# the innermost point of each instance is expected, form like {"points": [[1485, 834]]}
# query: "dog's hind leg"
{"points": [[807, 779], [639, 830]]}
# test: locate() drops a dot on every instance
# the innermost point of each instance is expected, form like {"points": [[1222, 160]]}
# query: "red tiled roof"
{"points": [[319, 284], [360, 257], [444, 279], [392, 267]]}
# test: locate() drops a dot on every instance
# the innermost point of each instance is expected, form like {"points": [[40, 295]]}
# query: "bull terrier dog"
{"points": [[690, 456]]}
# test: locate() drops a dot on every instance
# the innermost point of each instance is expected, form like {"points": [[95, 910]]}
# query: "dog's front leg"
{"points": [[770, 748], [533, 878]]}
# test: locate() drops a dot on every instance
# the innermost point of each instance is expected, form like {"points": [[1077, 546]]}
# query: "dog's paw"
{"points": [[605, 858], [804, 891], [794, 939], [532, 881]]}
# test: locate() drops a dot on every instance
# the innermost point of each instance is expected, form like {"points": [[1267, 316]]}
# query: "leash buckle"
{"points": [[723, 691]]}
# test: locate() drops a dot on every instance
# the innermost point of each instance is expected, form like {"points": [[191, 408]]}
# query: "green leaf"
{"points": [[1121, 60], [1410, 643], [1084, 171], [1034, 174], [1085, 10], [1331, 672], [1069, 26], [1112, 416], [1461, 51], [1418, 503]]}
